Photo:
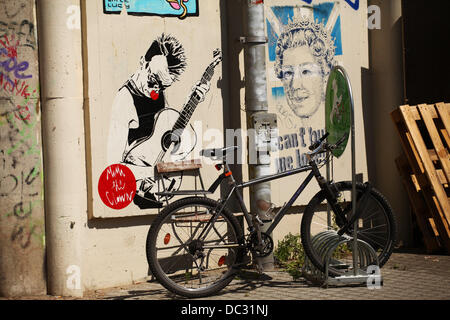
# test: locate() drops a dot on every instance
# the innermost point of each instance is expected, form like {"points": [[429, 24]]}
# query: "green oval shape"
{"points": [[338, 108]]}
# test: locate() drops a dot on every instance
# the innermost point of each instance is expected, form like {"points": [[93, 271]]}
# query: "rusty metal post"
{"points": [[254, 41]]}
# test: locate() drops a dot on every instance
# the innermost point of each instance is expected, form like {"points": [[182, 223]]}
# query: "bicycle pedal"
{"points": [[259, 267]]}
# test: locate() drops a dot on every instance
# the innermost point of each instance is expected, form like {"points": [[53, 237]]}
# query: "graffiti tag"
{"points": [[10, 64]]}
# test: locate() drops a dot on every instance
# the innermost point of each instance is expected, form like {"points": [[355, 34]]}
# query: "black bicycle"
{"points": [[196, 245]]}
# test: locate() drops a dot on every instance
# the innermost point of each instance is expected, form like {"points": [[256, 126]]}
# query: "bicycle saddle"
{"points": [[218, 153]]}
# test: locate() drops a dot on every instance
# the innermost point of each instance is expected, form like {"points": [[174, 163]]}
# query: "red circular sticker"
{"points": [[117, 186]]}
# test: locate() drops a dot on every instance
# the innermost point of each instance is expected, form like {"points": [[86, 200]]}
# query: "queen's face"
{"points": [[302, 81]]}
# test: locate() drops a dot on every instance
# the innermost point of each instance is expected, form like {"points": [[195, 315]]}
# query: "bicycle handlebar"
{"points": [[322, 145]]}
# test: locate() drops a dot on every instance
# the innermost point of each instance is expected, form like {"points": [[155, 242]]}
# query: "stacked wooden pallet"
{"points": [[425, 168]]}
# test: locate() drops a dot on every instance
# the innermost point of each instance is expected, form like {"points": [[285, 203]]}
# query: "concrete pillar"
{"points": [[386, 86], [64, 149], [22, 228]]}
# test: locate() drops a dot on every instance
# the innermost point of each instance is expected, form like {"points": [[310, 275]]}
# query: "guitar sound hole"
{"points": [[167, 139]]}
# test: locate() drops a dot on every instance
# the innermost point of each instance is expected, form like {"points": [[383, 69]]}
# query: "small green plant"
{"points": [[342, 251], [289, 255]]}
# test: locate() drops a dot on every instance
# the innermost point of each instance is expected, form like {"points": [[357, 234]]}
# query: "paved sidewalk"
{"points": [[406, 277]]}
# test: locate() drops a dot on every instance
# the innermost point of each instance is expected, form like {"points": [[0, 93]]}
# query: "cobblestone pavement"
{"points": [[406, 276]]}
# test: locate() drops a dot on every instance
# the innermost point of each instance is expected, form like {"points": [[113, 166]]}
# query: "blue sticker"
{"points": [[278, 92], [163, 8]]}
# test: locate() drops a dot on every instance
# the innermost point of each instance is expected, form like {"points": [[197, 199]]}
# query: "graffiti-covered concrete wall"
{"points": [[117, 76], [22, 231]]}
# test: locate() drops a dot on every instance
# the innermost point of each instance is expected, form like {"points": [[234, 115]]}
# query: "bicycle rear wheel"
{"points": [[190, 253], [376, 226]]}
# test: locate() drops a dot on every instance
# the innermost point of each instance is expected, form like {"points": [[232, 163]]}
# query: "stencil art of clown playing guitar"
{"points": [[172, 139]]}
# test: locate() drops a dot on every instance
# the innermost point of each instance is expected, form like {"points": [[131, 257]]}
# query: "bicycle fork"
{"points": [[331, 195]]}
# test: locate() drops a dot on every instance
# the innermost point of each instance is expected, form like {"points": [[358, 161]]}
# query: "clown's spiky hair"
{"points": [[172, 49]]}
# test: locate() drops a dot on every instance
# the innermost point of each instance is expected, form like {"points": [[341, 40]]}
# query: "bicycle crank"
{"points": [[262, 249]]}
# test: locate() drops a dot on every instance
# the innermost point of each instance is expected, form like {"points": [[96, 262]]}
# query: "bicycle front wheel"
{"points": [[376, 226], [192, 250]]}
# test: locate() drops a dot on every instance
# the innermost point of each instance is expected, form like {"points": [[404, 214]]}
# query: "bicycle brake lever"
{"points": [[316, 144], [338, 143]]}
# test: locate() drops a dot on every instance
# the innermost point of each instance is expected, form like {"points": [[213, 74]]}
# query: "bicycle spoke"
{"points": [[372, 228], [168, 248], [365, 217], [368, 239], [196, 247], [224, 246], [323, 225]]}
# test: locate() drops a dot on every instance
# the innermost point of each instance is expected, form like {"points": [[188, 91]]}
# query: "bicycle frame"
{"points": [[236, 189]]}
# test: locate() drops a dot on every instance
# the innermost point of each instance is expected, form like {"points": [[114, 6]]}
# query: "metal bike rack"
{"points": [[326, 243]]}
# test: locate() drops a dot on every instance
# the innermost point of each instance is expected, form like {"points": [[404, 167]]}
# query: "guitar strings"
{"points": [[188, 109]]}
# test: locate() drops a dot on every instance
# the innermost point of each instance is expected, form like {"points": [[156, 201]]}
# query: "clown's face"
{"points": [[154, 76]]}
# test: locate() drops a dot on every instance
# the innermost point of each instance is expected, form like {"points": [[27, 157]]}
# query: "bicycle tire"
{"points": [[189, 253], [380, 224]]}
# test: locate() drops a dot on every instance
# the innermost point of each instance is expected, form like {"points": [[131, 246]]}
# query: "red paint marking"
{"points": [[221, 261], [117, 186], [23, 113], [167, 239], [12, 49]]}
